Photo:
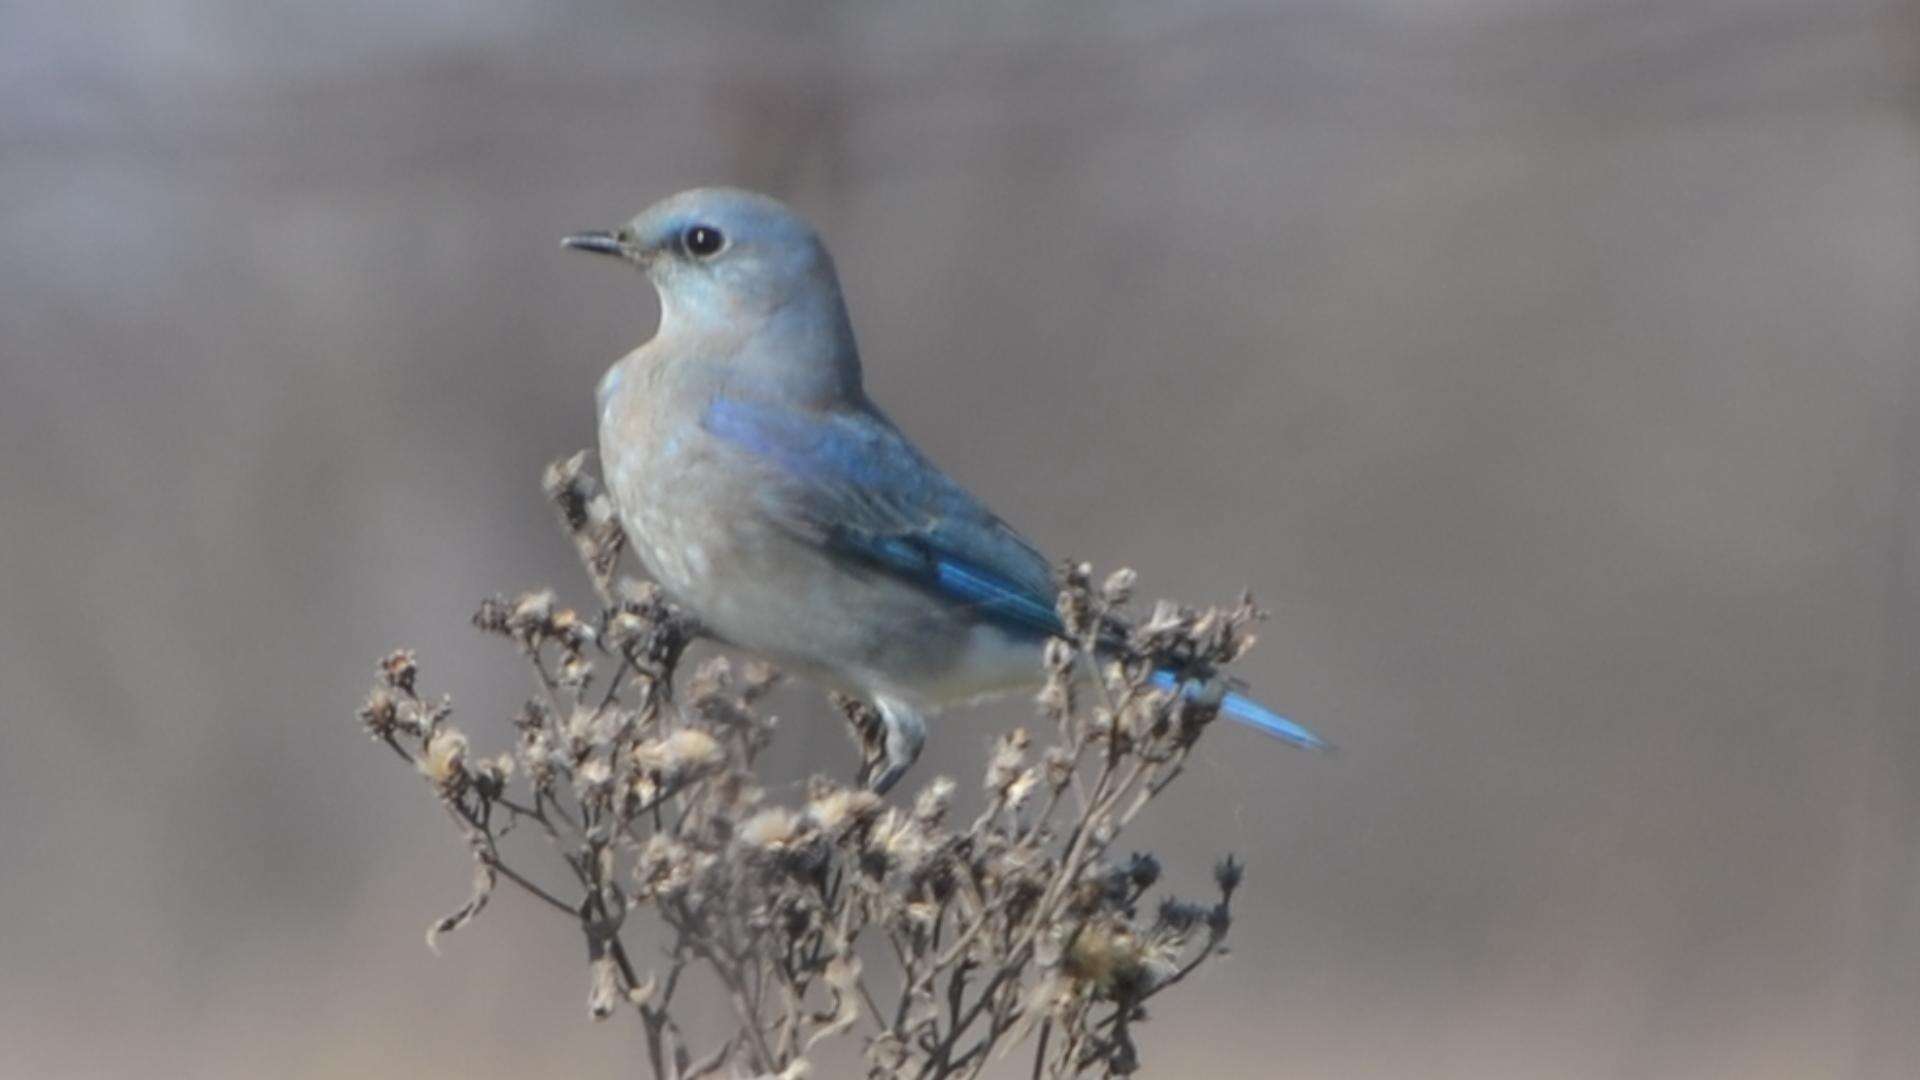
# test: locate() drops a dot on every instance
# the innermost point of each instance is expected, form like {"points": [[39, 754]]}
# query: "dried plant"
{"points": [[940, 943]]}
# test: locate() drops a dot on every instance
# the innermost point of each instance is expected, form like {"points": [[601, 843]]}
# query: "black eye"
{"points": [[703, 240]]}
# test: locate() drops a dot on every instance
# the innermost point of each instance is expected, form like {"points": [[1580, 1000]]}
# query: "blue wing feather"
{"points": [[852, 481]]}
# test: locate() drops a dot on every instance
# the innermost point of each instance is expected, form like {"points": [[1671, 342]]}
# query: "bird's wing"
{"points": [[849, 481]]}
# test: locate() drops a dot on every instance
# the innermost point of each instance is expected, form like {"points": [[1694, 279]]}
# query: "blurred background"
{"points": [[1548, 367]]}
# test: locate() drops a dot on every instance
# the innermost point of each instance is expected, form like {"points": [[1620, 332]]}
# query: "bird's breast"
{"points": [[664, 493]]}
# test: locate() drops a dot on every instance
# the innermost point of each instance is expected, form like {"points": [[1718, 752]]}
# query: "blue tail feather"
{"points": [[1251, 713]]}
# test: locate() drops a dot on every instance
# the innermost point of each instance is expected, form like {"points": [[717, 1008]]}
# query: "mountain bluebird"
{"points": [[765, 492]]}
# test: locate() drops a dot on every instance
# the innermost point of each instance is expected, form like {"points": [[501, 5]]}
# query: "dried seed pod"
{"points": [[398, 668]]}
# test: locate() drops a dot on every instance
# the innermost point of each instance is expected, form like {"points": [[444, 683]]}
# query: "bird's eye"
{"points": [[703, 240]]}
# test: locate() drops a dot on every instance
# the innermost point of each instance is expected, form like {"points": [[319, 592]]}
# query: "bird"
{"points": [[769, 496]]}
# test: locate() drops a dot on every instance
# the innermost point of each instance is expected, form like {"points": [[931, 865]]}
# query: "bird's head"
{"points": [[722, 257]]}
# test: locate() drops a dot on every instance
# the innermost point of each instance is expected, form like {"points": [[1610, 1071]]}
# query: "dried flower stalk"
{"points": [[1020, 927]]}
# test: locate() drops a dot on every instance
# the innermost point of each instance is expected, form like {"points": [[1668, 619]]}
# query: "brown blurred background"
{"points": [[1547, 366]]}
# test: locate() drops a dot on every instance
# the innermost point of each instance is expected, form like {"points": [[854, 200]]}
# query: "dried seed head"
{"points": [[531, 613], [919, 916], [1056, 697], [398, 668], [898, 840], [666, 867], [1207, 628], [572, 631], [685, 753], [578, 727], [542, 760], [574, 671], [888, 1055], [1107, 957], [1167, 617], [1118, 588], [1179, 916], [568, 484], [1219, 919], [1239, 637], [1058, 655], [1022, 788], [643, 598], [1077, 575], [625, 629], [445, 761], [1059, 766], [492, 616], [711, 679], [490, 777], [1009, 752], [757, 678], [419, 716], [533, 716], [773, 829], [834, 811], [1227, 874], [1075, 604], [380, 714], [593, 779], [1148, 715], [1143, 870], [931, 808]]}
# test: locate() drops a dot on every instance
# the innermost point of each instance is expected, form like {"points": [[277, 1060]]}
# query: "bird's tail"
{"points": [[1247, 711]]}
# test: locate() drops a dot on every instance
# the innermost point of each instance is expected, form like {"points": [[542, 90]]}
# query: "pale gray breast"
{"points": [[690, 518], [640, 449]]}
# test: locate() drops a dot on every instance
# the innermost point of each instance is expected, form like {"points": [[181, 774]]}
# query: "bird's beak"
{"points": [[603, 243]]}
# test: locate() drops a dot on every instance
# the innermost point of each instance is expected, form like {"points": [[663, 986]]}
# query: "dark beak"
{"points": [[604, 243]]}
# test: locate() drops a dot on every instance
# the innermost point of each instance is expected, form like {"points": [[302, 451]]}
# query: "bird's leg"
{"points": [[906, 733]]}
